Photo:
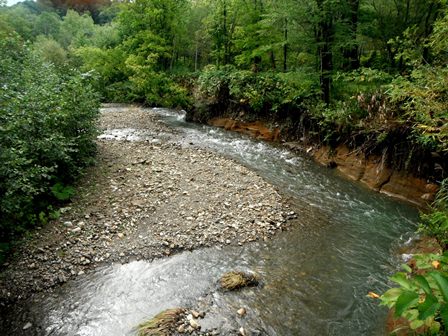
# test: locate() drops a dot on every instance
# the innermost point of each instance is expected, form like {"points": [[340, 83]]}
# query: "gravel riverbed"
{"points": [[147, 197]]}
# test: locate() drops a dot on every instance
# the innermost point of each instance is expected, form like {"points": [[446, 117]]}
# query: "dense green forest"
{"points": [[369, 73], [349, 64]]}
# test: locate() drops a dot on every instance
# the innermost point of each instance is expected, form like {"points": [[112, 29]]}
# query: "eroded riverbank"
{"points": [[146, 198]]}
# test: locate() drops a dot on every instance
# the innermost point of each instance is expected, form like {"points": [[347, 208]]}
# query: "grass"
{"points": [[234, 280], [162, 324]]}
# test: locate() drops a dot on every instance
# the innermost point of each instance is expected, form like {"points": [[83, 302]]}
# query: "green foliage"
{"points": [[438, 40], [155, 87], [435, 223], [265, 93], [48, 24], [109, 65], [421, 100], [62, 192], [50, 51], [422, 295], [47, 128], [361, 81], [75, 30]]}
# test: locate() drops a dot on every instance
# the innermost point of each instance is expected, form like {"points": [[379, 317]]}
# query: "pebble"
{"points": [[194, 324], [241, 311], [27, 326], [178, 205]]}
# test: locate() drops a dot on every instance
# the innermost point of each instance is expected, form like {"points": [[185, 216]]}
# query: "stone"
{"points": [[27, 326], [178, 206], [241, 311], [194, 324]]}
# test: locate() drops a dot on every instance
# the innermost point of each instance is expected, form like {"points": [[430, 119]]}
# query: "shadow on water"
{"points": [[316, 275]]}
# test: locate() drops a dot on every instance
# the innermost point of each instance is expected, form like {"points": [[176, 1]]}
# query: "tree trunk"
{"points": [[196, 57], [285, 47], [324, 39], [272, 56], [225, 35], [351, 53]]}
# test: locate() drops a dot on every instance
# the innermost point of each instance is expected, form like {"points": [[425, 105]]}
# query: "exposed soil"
{"points": [[144, 199]]}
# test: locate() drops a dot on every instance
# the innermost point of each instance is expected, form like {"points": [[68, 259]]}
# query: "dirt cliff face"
{"points": [[371, 170]]}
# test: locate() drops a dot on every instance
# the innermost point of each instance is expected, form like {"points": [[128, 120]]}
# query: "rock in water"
{"points": [[194, 324], [27, 326], [241, 311]]}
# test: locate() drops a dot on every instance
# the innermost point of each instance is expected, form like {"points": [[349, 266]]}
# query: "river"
{"points": [[315, 276]]}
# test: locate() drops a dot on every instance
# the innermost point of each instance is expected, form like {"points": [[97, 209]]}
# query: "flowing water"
{"points": [[315, 276]]}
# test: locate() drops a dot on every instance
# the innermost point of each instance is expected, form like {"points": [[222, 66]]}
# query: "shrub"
{"points": [[47, 131], [421, 100], [435, 223], [422, 295], [265, 93]]}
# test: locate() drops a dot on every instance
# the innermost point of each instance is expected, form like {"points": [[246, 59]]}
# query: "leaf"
{"points": [[407, 268], [444, 314], [421, 280], [434, 327], [401, 279], [61, 192], [404, 301], [390, 297], [442, 282], [429, 307], [373, 295], [416, 324]]}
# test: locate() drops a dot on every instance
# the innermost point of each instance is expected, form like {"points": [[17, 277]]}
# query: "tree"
{"points": [[75, 30], [324, 32], [47, 23]]}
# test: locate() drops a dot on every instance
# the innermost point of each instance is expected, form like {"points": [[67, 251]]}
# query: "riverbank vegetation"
{"points": [[47, 127], [371, 74]]}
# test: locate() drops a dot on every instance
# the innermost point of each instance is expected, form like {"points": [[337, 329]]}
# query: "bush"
{"points": [[422, 295], [265, 93], [435, 223], [421, 100], [47, 131]]}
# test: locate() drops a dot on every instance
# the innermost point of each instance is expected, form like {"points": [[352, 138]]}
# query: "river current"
{"points": [[315, 276]]}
